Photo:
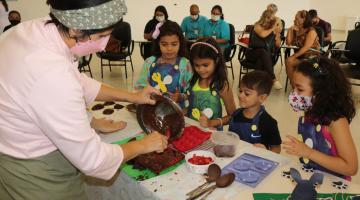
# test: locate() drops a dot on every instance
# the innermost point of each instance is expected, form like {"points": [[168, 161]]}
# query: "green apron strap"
{"points": [[50, 176]]}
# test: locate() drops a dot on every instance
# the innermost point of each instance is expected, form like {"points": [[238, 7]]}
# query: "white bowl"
{"points": [[199, 169]]}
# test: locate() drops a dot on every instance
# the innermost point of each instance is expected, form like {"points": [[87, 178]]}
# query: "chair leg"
{"points": [[109, 65], [232, 69], [90, 70], [132, 67], [125, 69]]}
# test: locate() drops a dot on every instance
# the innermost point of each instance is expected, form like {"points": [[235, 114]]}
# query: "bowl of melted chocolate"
{"points": [[165, 117]]}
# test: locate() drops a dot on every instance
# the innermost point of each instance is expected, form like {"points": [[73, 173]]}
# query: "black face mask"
{"points": [[14, 22]]}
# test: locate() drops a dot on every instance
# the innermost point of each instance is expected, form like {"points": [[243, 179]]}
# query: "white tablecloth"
{"points": [[174, 185]]}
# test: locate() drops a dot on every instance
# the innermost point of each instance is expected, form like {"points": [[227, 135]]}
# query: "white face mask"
{"points": [[194, 17], [215, 17], [160, 18]]}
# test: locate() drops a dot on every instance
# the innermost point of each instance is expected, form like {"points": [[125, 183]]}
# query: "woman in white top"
{"points": [[46, 141]]}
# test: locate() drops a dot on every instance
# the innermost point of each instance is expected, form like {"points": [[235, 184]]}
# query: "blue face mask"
{"points": [[300, 103]]}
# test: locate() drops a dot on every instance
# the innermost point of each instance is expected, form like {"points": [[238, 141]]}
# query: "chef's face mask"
{"points": [[90, 46]]}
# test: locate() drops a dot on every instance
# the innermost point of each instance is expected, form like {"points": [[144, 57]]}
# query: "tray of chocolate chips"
{"points": [[165, 117]]}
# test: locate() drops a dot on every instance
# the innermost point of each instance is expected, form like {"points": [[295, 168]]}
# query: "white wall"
{"points": [[336, 12], [29, 9], [237, 12]]}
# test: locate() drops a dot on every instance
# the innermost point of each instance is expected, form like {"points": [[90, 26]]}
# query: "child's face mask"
{"points": [[90, 46], [300, 103]]}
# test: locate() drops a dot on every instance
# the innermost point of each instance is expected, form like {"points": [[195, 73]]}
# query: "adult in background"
{"points": [[46, 142], [152, 28], [303, 35], [14, 19], [264, 40], [218, 28], [193, 25], [324, 25]]}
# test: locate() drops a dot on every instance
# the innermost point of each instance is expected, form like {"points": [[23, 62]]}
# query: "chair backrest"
{"points": [[357, 25], [122, 32], [320, 33], [282, 34], [353, 45], [232, 34]]}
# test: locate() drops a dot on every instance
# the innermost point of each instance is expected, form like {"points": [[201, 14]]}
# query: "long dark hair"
{"points": [[161, 9], [167, 29], [71, 5], [202, 51], [307, 19], [220, 9], [331, 90], [5, 5]]}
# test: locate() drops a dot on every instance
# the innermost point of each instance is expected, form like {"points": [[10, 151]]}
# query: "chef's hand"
{"points": [[154, 142], [144, 96], [107, 125]]}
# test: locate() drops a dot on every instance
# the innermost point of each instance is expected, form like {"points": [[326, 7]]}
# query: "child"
{"points": [[168, 70], [322, 91], [251, 122], [209, 85]]}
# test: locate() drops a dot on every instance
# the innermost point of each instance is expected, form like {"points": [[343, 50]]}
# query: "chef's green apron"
{"points": [[50, 176]]}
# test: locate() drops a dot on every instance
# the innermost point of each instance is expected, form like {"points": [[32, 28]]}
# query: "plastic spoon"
{"points": [[214, 172], [221, 182]]}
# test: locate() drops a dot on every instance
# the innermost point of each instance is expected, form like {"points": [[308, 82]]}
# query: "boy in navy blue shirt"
{"points": [[251, 121]]}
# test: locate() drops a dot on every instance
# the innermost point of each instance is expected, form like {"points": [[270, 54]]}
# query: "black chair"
{"points": [[85, 62], [357, 25], [122, 33], [229, 52], [249, 63], [145, 49], [350, 56]]}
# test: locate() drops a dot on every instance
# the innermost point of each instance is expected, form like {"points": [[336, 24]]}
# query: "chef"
{"points": [[46, 142]]}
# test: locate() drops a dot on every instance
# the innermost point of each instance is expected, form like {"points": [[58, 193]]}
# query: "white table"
{"points": [[174, 185]]}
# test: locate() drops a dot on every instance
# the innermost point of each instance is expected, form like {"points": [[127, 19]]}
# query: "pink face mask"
{"points": [[91, 46]]}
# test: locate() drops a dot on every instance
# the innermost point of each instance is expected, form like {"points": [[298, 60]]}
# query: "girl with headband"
{"points": [[46, 139], [209, 85]]}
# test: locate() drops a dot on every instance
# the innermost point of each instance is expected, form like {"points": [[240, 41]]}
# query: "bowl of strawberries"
{"points": [[198, 161]]}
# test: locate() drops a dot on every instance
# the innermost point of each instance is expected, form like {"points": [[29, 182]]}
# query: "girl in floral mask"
{"points": [[217, 28], [324, 139]]}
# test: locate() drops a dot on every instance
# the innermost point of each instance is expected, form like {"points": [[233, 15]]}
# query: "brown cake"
{"points": [[108, 111], [97, 107], [157, 162]]}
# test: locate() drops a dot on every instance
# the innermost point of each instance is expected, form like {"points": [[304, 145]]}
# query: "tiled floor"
{"points": [[276, 105]]}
